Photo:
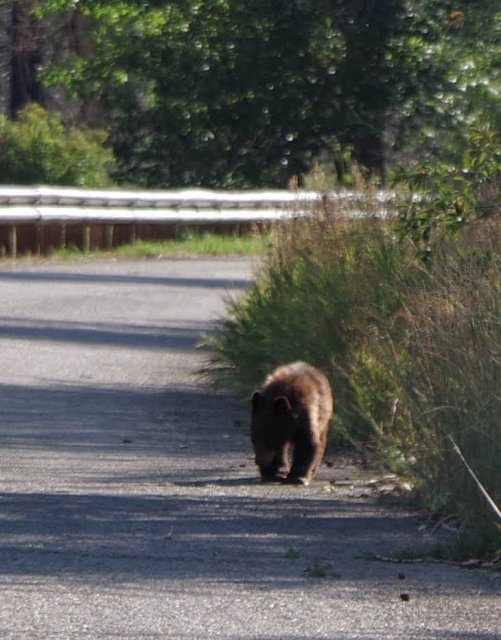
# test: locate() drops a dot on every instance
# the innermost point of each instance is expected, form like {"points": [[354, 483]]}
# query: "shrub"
{"points": [[443, 199], [38, 149]]}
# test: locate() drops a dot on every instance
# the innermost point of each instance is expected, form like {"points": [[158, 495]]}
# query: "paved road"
{"points": [[129, 506]]}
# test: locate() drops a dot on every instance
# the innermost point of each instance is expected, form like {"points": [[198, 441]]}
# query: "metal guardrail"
{"points": [[48, 205], [43, 206]]}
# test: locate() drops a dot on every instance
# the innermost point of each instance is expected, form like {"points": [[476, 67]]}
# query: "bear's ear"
{"points": [[256, 401], [282, 406]]}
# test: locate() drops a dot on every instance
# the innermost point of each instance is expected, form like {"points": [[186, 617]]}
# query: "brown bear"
{"points": [[290, 420]]}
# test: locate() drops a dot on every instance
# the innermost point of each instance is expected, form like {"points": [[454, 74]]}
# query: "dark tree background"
{"points": [[237, 93]]}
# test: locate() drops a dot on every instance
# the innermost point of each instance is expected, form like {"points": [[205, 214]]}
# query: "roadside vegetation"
{"points": [[189, 244], [404, 315], [38, 148]]}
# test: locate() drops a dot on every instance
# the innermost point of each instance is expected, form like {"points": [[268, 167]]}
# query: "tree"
{"points": [[19, 57], [234, 93], [458, 45]]}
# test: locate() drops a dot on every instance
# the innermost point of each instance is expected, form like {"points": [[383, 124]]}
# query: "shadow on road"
{"points": [[200, 510], [180, 536], [93, 278], [87, 418], [215, 538], [115, 334]]}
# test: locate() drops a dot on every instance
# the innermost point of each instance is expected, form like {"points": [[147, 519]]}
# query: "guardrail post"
{"points": [[109, 236], [12, 241], [62, 236], [86, 238], [38, 240], [132, 233]]}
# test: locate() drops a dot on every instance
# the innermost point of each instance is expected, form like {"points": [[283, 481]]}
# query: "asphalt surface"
{"points": [[129, 501]]}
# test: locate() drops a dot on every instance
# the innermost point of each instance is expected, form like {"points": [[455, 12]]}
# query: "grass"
{"points": [[448, 374], [413, 350], [207, 244], [324, 273]]}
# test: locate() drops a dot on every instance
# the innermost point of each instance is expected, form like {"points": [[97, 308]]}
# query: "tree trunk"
{"points": [[368, 88], [25, 58], [5, 56]]}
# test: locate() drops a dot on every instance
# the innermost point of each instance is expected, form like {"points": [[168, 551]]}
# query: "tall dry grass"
{"points": [[413, 351], [308, 303], [446, 364]]}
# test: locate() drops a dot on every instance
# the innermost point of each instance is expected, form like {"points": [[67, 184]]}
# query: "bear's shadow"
{"points": [[219, 482]]}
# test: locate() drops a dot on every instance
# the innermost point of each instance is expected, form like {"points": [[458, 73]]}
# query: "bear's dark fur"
{"points": [[290, 420]]}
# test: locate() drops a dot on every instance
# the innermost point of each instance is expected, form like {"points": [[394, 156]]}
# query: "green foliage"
{"points": [[189, 244], [38, 149], [198, 243], [443, 198], [458, 50], [234, 93]]}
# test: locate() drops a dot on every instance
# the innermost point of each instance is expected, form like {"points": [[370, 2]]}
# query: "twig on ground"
{"points": [[490, 502], [467, 564]]}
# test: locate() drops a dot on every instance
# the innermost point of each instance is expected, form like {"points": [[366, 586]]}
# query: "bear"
{"points": [[289, 423]]}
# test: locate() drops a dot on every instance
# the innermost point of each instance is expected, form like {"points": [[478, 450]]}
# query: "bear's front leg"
{"points": [[283, 460], [308, 453], [270, 464], [271, 474]]}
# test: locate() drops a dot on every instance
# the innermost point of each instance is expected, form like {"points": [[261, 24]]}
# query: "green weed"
{"points": [[320, 568]]}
